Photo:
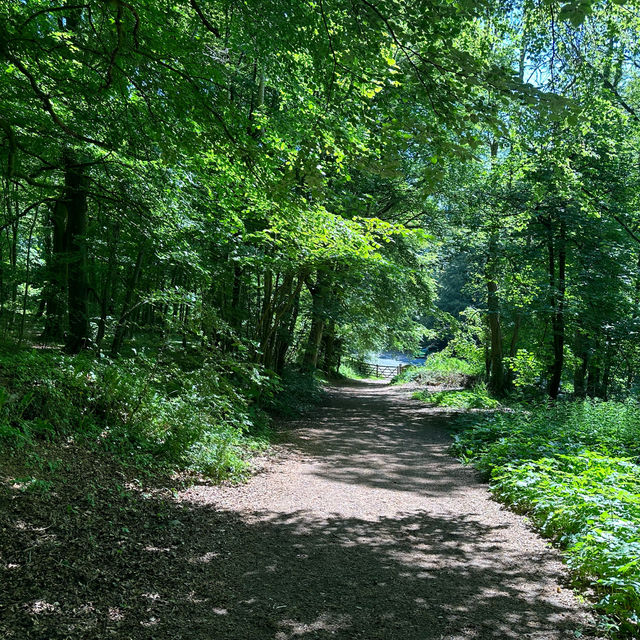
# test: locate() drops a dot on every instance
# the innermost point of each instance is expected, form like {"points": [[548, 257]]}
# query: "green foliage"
{"points": [[349, 371], [298, 391], [444, 363], [590, 504], [145, 412], [353, 371], [526, 368], [562, 428], [573, 467], [438, 369], [476, 398]]}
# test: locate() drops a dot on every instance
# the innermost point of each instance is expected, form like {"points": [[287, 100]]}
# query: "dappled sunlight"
{"points": [[354, 536], [272, 575], [325, 622], [381, 439]]}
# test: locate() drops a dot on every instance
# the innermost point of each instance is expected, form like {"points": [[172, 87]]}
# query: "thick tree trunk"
{"points": [[593, 379], [310, 360], [277, 339], [77, 280], [285, 335], [331, 350], [318, 293]]}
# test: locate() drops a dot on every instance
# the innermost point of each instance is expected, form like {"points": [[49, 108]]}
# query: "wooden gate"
{"points": [[378, 370]]}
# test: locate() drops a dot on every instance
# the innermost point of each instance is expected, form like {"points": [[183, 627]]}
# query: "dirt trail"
{"points": [[361, 528], [366, 528]]}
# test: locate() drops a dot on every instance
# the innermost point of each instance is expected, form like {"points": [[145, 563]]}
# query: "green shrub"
{"points": [[476, 398], [611, 428], [148, 412], [439, 369], [573, 467], [297, 391], [350, 371], [590, 504]]}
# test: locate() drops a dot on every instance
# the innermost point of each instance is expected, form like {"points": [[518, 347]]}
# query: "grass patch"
{"points": [[476, 398], [349, 371], [573, 468]]}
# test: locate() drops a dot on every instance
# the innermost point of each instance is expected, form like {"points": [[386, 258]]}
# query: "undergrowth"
{"points": [[149, 413], [298, 390], [573, 467], [476, 398], [440, 369], [347, 370]]}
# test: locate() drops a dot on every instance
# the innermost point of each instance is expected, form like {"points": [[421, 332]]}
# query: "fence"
{"points": [[378, 370]]}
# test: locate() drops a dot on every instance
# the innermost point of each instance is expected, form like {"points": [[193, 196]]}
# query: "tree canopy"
{"points": [[283, 183]]}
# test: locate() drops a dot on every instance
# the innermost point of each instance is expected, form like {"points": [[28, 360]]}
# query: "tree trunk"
{"points": [[310, 360], [78, 284], [593, 379], [318, 293], [285, 335], [557, 285], [497, 380], [27, 275], [513, 347], [331, 351], [54, 291], [121, 327], [580, 373], [107, 289]]}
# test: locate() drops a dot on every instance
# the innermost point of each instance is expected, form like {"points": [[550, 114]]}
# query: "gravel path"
{"points": [[361, 527], [364, 527]]}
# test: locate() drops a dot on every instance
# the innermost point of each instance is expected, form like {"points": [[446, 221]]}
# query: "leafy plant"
{"points": [[476, 398], [573, 468], [148, 413], [439, 369]]}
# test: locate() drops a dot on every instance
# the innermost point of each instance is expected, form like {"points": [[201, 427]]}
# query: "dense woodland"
{"points": [[282, 183], [207, 204]]}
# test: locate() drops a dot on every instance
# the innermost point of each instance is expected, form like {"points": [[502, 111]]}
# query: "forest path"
{"points": [[366, 528]]}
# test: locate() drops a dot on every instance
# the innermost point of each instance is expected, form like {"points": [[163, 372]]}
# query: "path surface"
{"points": [[366, 528]]}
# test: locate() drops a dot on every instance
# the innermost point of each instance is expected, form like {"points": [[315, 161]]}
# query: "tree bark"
{"points": [[497, 379], [77, 279], [557, 285], [331, 350], [318, 293], [580, 372], [121, 327]]}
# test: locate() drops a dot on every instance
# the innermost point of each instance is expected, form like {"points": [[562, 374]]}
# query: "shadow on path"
{"points": [[380, 438], [134, 565]]}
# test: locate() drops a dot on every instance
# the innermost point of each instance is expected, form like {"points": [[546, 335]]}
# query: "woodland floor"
{"points": [[361, 526]]}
